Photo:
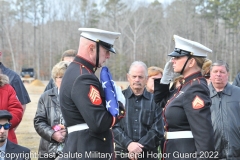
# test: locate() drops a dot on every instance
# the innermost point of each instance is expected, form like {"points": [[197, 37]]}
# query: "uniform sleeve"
{"points": [[14, 107], [88, 96], [161, 91], [197, 104], [41, 124], [152, 139], [21, 91]]}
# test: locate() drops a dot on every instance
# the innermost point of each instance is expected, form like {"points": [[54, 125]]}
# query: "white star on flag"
{"points": [[108, 104], [103, 84], [108, 86], [113, 83], [113, 93]]}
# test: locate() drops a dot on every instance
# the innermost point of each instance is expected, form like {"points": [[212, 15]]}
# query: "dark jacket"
{"points": [[47, 115], [189, 110], [162, 92], [236, 81], [20, 152], [225, 111], [82, 100]]}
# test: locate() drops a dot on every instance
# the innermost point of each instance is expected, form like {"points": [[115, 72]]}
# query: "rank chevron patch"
{"points": [[94, 95], [197, 103]]}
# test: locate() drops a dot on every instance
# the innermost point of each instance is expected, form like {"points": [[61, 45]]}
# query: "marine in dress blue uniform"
{"points": [[187, 116], [83, 103]]}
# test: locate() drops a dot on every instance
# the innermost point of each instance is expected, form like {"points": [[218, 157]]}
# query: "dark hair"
{"points": [[221, 63]]}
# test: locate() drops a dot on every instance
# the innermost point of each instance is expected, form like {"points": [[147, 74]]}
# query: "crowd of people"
{"points": [[186, 111]]}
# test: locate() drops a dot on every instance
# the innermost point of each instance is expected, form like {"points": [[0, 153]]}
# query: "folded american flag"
{"points": [[110, 91]]}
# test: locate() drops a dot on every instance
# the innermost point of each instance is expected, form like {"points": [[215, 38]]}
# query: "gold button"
{"points": [[165, 135], [167, 101], [165, 128], [104, 139], [122, 112], [194, 79], [83, 66]]}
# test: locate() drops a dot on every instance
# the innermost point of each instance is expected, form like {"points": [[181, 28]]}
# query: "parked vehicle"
{"points": [[27, 72], [27, 75]]}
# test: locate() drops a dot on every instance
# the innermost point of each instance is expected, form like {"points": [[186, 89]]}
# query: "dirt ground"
{"points": [[26, 134]]}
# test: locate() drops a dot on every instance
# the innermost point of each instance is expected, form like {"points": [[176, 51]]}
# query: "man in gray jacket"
{"points": [[225, 112]]}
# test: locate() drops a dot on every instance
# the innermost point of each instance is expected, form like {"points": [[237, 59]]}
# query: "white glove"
{"points": [[120, 95], [168, 73]]}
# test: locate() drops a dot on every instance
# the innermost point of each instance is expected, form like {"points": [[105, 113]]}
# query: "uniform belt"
{"points": [[77, 127], [178, 135]]}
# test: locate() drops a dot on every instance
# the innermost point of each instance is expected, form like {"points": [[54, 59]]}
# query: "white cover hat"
{"points": [[185, 47], [105, 38]]}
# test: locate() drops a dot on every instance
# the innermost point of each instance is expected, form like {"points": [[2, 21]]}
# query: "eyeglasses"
{"points": [[207, 76], [6, 126]]}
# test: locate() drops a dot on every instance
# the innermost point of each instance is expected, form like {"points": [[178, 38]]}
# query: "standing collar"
{"points": [[85, 63], [192, 76]]}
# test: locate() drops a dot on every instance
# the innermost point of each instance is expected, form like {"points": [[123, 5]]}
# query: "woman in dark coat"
{"points": [[48, 120]]}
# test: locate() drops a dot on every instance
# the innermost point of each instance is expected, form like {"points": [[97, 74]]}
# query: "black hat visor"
{"points": [[107, 46], [179, 53]]}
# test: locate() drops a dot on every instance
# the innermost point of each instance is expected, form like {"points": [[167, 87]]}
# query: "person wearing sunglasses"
{"points": [[9, 101], [206, 70], [7, 148]]}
